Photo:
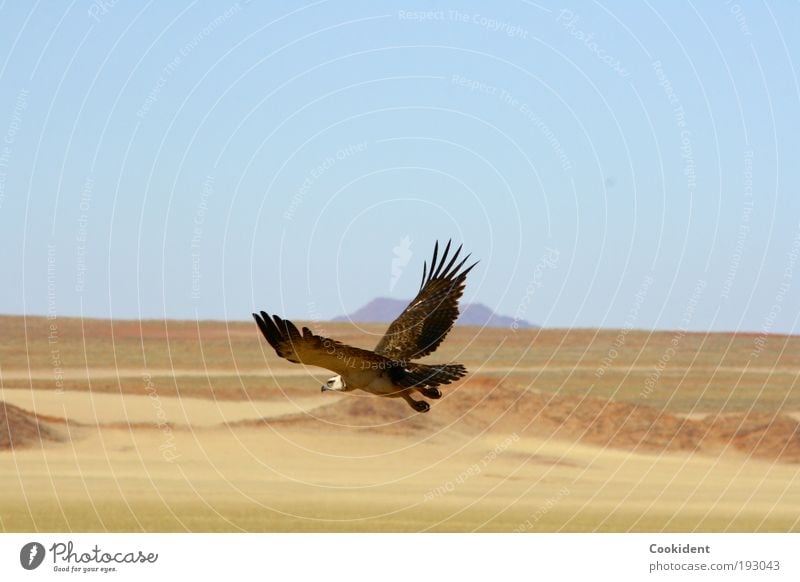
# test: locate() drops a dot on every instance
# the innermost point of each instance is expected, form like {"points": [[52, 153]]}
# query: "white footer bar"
{"points": [[388, 557]]}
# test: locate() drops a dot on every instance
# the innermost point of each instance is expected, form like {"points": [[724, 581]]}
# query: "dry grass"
{"points": [[707, 373]]}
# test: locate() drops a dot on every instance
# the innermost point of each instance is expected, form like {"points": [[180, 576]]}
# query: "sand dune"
{"points": [[504, 411], [588, 420], [105, 408], [21, 428]]}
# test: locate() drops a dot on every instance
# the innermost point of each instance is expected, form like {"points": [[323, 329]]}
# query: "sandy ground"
{"points": [[264, 466], [525, 443]]}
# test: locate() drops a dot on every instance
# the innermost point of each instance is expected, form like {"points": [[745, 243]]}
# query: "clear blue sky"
{"points": [[610, 164]]}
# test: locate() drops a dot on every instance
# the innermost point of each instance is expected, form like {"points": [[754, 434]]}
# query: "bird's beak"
{"points": [[323, 388]]}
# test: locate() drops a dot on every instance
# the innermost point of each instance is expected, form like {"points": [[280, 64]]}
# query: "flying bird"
{"points": [[388, 370]]}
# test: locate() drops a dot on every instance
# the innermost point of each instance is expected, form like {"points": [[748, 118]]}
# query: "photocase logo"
{"points": [[402, 254], [31, 555]]}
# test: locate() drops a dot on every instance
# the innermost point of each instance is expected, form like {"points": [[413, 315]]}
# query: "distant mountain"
{"points": [[384, 310], [479, 314]]}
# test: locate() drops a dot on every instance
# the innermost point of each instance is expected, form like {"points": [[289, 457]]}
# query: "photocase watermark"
{"points": [[476, 86], [168, 448], [506, 98], [687, 153], [569, 22], [491, 24], [738, 14], [315, 319], [744, 226], [783, 288], [318, 171], [473, 18], [177, 60], [81, 234], [197, 234], [530, 115], [52, 319], [51, 281], [473, 470], [6, 148], [68, 559], [313, 312], [100, 8], [630, 321], [401, 255], [652, 380], [543, 510], [548, 261], [334, 348]]}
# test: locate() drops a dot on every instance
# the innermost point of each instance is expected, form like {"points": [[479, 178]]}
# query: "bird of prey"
{"points": [[388, 370]]}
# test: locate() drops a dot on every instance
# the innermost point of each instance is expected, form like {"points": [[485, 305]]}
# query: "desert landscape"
{"points": [[198, 426]]}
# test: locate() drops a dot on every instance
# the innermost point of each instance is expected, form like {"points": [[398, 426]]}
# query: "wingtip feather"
{"points": [[433, 260], [438, 272], [448, 272], [472, 266]]}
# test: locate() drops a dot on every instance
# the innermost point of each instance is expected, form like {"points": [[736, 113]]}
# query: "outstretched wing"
{"points": [[423, 325], [313, 350]]}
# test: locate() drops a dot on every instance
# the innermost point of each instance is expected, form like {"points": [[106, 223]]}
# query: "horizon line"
{"points": [[532, 328]]}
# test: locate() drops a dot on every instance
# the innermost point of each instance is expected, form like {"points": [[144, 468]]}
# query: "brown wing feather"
{"points": [[426, 321], [422, 375], [314, 350]]}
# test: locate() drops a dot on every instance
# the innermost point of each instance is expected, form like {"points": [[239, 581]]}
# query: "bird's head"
{"points": [[335, 383]]}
